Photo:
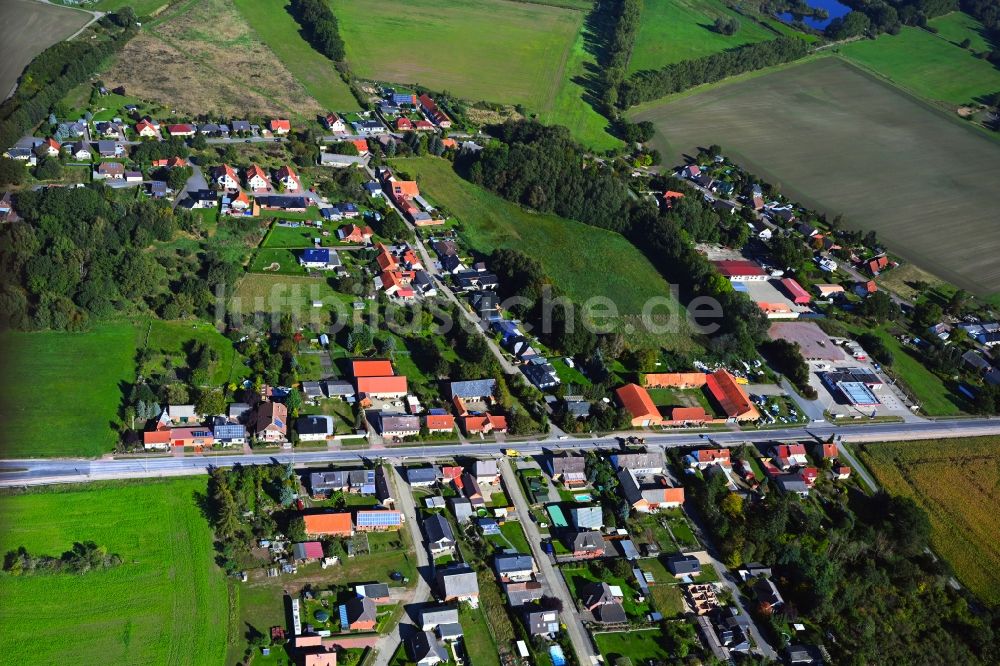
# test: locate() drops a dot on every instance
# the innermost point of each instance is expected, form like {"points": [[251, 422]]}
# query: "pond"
{"points": [[833, 9]]}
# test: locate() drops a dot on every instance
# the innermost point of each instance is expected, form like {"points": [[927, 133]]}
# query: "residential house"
{"points": [[704, 458], [430, 618], [110, 170], [439, 423], [378, 520], [458, 583], [288, 179], [307, 550], [793, 483], [182, 130], [479, 390], [359, 614], [461, 508], [230, 434], [639, 463], [766, 592], [383, 387], [424, 649], [314, 428], [242, 126], [636, 401], [440, 538], [81, 151], [587, 544], [787, 456], [279, 126], [683, 565], [335, 123], [540, 372], [147, 129], [110, 149], [604, 602], [422, 477], [436, 115], [568, 469], [646, 496], [355, 234], [321, 258], [542, 623], [486, 472], [225, 177], [201, 199], [483, 424], [514, 568], [587, 517], [396, 425], [256, 178], [271, 422], [329, 524], [377, 592], [470, 488]]}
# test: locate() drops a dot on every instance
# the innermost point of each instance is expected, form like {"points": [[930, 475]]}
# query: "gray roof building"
{"points": [[372, 591], [568, 467], [439, 534], [587, 517], [542, 623], [462, 508], [514, 566], [640, 463], [613, 613], [683, 565], [475, 389], [425, 650], [587, 543], [423, 476], [458, 582], [432, 617]]}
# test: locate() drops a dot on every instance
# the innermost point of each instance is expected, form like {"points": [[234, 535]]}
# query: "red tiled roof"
{"points": [[404, 124], [738, 267], [799, 295], [731, 397], [279, 124], [637, 402], [439, 421], [328, 523], [707, 455], [313, 549], [376, 385], [688, 414], [373, 368], [254, 170]]}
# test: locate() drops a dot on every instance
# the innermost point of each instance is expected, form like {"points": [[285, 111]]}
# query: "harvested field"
{"points": [[183, 63], [957, 481], [841, 141], [493, 50], [27, 29]]}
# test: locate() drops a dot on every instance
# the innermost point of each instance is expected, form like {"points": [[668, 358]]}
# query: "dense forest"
{"points": [[856, 565], [876, 17], [319, 27], [653, 84], [542, 168], [79, 253], [57, 69]]}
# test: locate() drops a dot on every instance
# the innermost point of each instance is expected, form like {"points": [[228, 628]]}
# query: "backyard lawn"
{"points": [[578, 577], [58, 405], [140, 612], [639, 647]]}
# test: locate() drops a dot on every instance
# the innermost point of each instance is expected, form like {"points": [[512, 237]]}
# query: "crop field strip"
{"points": [[958, 483], [840, 140]]}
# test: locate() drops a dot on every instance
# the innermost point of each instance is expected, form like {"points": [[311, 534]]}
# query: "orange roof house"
{"points": [[394, 386], [256, 178], [713, 457], [406, 189], [156, 439], [361, 145], [670, 196], [373, 368], [731, 397], [439, 422], [279, 126], [332, 524], [682, 380], [404, 124], [449, 143], [827, 451], [688, 415], [639, 405], [320, 659]]}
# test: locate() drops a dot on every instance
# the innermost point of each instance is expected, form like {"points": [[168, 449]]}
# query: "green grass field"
{"points": [[790, 127], [637, 646], [279, 31], [173, 339], [675, 30], [570, 107], [493, 50], [64, 389], [957, 481], [929, 65], [166, 604], [958, 26], [141, 7], [584, 261]]}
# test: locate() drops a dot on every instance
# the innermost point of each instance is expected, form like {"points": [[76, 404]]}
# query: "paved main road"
{"points": [[20, 472]]}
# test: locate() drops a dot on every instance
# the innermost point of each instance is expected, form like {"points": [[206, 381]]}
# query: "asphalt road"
{"points": [[20, 472]]}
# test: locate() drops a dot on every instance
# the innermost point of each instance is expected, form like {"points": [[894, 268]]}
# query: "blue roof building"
{"points": [[378, 520]]}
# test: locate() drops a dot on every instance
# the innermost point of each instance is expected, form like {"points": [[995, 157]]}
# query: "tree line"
{"points": [[625, 15], [873, 18], [652, 84], [81, 558], [319, 27], [58, 69], [542, 168]]}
